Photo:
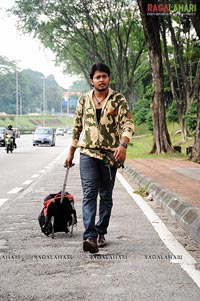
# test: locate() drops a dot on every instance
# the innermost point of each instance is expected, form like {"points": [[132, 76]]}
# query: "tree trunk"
{"points": [[184, 100], [161, 138], [182, 122], [195, 156], [180, 104], [196, 17]]}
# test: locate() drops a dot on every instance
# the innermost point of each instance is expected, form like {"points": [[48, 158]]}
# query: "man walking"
{"points": [[103, 126]]}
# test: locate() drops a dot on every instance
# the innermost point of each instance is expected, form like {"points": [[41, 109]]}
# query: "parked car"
{"points": [[2, 139], [44, 136], [59, 131]]}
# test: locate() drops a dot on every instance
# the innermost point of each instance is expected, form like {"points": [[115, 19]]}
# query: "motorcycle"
{"points": [[9, 143]]}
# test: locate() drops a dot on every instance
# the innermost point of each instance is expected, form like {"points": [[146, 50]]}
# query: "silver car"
{"points": [[2, 139], [44, 136]]}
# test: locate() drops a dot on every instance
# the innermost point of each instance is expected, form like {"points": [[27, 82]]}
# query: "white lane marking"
{"points": [[35, 176], [41, 171], [15, 190], [2, 201], [27, 182], [187, 262], [65, 151]]}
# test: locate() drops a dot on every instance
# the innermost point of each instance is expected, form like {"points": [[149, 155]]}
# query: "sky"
{"points": [[28, 52]]}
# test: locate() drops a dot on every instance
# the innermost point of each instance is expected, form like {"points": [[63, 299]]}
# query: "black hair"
{"points": [[99, 67]]}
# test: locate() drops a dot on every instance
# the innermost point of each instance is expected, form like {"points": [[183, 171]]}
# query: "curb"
{"points": [[181, 212]]}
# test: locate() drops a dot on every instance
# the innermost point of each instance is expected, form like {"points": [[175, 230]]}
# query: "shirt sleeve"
{"points": [[126, 120]]}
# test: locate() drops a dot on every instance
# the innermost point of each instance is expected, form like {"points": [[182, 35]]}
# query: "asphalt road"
{"points": [[142, 261], [26, 162]]}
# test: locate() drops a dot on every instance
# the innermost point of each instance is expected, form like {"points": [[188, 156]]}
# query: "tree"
{"points": [[83, 32], [142, 107], [6, 65], [80, 85], [172, 113], [195, 156], [184, 69], [30, 92], [162, 143]]}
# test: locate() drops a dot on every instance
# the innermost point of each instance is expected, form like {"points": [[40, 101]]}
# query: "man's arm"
{"points": [[127, 128], [70, 157]]}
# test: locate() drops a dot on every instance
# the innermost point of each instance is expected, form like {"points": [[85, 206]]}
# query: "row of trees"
{"points": [[184, 34], [142, 50], [36, 93], [83, 32], [29, 85]]}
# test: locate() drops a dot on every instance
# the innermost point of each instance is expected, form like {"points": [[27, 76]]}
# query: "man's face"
{"points": [[100, 81]]}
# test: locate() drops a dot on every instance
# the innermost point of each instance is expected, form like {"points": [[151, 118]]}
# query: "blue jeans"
{"points": [[95, 179]]}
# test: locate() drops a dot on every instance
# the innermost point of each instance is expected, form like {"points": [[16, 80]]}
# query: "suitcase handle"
{"points": [[65, 182]]}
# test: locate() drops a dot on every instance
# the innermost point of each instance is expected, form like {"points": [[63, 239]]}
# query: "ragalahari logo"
{"points": [[162, 9]]}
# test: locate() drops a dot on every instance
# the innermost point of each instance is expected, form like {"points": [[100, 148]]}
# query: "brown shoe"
{"points": [[90, 245], [101, 242]]}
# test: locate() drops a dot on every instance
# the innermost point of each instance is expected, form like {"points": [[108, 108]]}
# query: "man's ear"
{"points": [[91, 82]]}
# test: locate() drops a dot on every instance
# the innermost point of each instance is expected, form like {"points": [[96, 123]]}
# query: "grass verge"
{"points": [[141, 144]]}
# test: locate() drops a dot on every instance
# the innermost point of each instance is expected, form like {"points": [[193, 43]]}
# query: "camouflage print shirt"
{"points": [[115, 122]]}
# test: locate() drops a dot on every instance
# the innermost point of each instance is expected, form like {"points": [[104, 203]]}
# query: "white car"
{"points": [[60, 132], [69, 131], [2, 139]]}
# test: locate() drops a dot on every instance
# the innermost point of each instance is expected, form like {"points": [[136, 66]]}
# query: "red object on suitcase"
{"points": [[58, 213]]}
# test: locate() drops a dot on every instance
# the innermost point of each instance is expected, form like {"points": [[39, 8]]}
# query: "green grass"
{"points": [[27, 123], [142, 142], [139, 147]]}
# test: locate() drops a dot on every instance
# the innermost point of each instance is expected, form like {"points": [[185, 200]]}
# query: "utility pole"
{"points": [[44, 100], [17, 97], [61, 106], [68, 110], [20, 103]]}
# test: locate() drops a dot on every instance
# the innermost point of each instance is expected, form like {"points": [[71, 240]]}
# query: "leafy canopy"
{"points": [[83, 32]]}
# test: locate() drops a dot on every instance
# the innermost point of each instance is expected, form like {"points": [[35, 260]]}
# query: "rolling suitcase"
{"points": [[58, 213]]}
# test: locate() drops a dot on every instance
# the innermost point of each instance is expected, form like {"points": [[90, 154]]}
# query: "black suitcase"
{"points": [[58, 213]]}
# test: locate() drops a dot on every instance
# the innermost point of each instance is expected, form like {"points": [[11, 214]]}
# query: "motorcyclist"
{"points": [[10, 131]]}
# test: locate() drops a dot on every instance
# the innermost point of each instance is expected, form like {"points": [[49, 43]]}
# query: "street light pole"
{"points": [[17, 97], [44, 100], [20, 102], [68, 105], [61, 106]]}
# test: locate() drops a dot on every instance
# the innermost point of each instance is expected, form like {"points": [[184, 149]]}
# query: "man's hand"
{"points": [[120, 153], [68, 162]]}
